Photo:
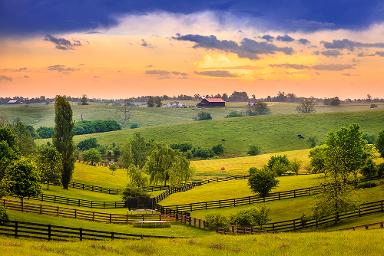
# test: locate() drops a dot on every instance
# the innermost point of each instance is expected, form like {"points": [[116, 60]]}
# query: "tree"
{"points": [[135, 151], [45, 132], [252, 217], [312, 141], [84, 100], [157, 101], [279, 164], [203, 116], [380, 143], [307, 106], [8, 149], [63, 138], [92, 156], [262, 181], [254, 150], [136, 176], [239, 97], [49, 162], [332, 101], [165, 164], [24, 138], [218, 149], [113, 168], [316, 156], [22, 179], [369, 170], [125, 109], [88, 144], [258, 108], [151, 102], [295, 166]]}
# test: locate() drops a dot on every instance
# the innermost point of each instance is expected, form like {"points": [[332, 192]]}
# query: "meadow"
{"points": [[342, 243]]}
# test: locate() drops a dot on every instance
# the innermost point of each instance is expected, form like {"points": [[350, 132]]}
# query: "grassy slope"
{"points": [[272, 133], [342, 243], [295, 207], [236, 188]]}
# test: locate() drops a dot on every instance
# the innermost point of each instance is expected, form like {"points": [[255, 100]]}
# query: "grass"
{"points": [[273, 133], [177, 230], [235, 188], [241, 165], [341, 243], [79, 193], [295, 207]]}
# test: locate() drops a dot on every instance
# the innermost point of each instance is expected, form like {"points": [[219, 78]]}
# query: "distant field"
{"points": [[273, 133], [341, 243]]}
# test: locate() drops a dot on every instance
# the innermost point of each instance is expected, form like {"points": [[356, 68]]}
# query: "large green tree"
{"points": [[135, 152], [262, 181], [380, 143], [8, 149], [63, 138], [49, 163]]}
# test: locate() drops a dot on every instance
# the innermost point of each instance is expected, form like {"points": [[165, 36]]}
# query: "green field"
{"points": [[273, 133], [236, 188], [341, 243]]}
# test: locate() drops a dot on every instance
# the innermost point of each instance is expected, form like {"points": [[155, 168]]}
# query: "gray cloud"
{"points": [[285, 38], [329, 53], [145, 44], [5, 78], [268, 38], [165, 74], [321, 67], [304, 41], [62, 43], [247, 48], [350, 45], [216, 73], [61, 68], [381, 54]]}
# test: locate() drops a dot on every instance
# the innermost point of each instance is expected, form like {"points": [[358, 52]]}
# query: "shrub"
{"points": [[88, 144], [258, 108], [202, 153], [366, 184], [254, 150], [134, 126], [295, 166], [3, 215], [234, 114], [183, 147], [262, 181], [380, 170], [92, 156], [131, 191], [96, 126], [218, 149], [252, 217], [203, 116], [380, 143], [214, 222], [369, 169], [279, 164], [45, 132], [312, 142], [373, 105], [370, 138]]}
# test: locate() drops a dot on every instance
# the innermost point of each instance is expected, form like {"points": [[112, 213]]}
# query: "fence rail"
{"points": [[81, 214], [298, 224], [52, 232]]}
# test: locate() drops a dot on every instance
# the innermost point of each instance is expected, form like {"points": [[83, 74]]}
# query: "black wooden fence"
{"points": [[52, 232], [74, 213]]}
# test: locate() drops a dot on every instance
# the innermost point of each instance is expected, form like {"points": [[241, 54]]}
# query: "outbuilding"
{"points": [[211, 102]]}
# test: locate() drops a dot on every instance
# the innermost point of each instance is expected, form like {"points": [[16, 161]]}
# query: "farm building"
{"points": [[211, 102]]}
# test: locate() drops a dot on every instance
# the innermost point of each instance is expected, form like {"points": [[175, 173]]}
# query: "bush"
{"points": [[88, 144], [312, 142], [373, 105], [92, 156], [380, 170], [3, 215], [366, 184], [258, 108], [234, 114], [295, 166], [45, 132], [279, 164], [131, 191], [254, 150], [202, 153], [134, 126], [370, 138], [96, 126], [214, 222], [369, 169], [218, 149], [252, 217], [203, 116], [262, 181], [183, 147]]}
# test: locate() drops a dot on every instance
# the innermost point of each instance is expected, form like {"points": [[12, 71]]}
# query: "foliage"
{"points": [[332, 101], [202, 153], [279, 164], [262, 181], [165, 164], [22, 179], [312, 142], [295, 165], [92, 156], [8, 149], [136, 177], [258, 108], [380, 170], [203, 116], [7, 135], [45, 132], [252, 217], [238, 97], [84, 100], [95, 126], [380, 143], [366, 184], [369, 169], [63, 137], [113, 167], [49, 163], [135, 151], [131, 191], [24, 139], [88, 144], [134, 126], [316, 156], [216, 221], [183, 147], [254, 150], [218, 149], [370, 138], [154, 102], [3, 215], [234, 114], [307, 106]]}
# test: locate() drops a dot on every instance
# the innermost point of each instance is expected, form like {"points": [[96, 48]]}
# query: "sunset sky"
{"points": [[118, 49]]}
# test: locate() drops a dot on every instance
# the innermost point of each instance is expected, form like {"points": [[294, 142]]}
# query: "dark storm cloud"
{"points": [[285, 38], [62, 43]]}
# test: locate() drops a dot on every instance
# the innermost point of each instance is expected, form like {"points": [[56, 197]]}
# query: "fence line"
{"points": [[74, 213], [52, 232]]}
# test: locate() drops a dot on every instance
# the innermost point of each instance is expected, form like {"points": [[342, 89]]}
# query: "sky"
{"points": [[126, 48]]}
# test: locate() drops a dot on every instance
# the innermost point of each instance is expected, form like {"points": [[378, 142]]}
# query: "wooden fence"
{"points": [[52, 232], [298, 224], [73, 213]]}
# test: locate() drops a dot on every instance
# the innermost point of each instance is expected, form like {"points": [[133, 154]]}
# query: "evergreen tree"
{"points": [[63, 138]]}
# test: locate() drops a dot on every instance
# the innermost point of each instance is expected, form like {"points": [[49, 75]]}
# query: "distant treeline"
{"points": [[236, 96], [83, 127]]}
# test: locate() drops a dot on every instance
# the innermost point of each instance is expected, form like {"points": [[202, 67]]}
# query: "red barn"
{"points": [[211, 102]]}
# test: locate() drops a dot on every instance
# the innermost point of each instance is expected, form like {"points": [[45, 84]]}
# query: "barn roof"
{"points": [[215, 100]]}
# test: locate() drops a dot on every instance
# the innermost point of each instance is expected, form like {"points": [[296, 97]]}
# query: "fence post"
{"points": [[382, 205], [49, 232], [279, 195], [93, 216], [41, 209], [294, 193], [16, 228], [81, 234], [294, 225], [57, 210], [249, 200], [75, 213], [234, 202], [110, 218], [112, 235]]}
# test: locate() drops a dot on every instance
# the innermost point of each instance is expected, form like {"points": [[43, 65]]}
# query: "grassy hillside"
{"points": [[341, 243], [272, 133]]}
